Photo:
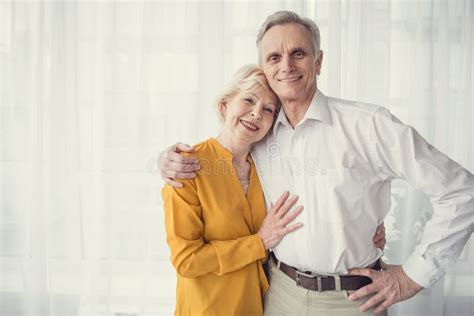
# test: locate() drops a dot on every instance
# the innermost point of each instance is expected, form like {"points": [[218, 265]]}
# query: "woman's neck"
{"points": [[239, 149]]}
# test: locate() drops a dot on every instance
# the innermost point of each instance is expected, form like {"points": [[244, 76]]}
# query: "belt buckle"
{"points": [[311, 276]]}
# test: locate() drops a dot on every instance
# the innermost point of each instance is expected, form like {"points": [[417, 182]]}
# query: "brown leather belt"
{"points": [[320, 283]]}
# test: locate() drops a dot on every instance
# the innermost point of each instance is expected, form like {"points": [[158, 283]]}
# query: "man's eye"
{"points": [[299, 54], [248, 100], [273, 58]]}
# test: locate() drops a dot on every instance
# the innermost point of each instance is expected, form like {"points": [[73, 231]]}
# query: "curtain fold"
{"points": [[91, 91]]}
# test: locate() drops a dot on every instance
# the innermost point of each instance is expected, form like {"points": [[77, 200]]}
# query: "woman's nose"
{"points": [[256, 113]]}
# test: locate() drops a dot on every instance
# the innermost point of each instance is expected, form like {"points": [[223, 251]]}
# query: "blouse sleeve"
{"points": [[191, 255]]}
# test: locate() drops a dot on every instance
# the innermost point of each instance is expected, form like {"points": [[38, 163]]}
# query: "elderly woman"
{"points": [[217, 226]]}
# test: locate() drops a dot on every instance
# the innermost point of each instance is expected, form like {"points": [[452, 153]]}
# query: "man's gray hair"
{"points": [[286, 17]]}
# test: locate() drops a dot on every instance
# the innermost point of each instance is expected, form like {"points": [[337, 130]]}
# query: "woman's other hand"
{"points": [[275, 225]]}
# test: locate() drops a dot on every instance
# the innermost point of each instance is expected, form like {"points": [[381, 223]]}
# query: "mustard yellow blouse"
{"points": [[211, 228]]}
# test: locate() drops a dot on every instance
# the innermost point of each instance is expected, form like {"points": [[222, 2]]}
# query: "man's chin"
{"points": [[289, 95]]}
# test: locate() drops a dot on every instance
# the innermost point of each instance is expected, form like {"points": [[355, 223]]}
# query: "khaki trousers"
{"points": [[285, 298]]}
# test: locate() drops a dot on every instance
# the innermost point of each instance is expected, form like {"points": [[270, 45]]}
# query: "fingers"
{"points": [[372, 302], [380, 244], [363, 271], [171, 156], [174, 184], [286, 206], [381, 226], [180, 147], [379, 233], [274, 226], [289, 217], [379, 237], [174, 175], [183, 167], [175, 166], [291, 228], [280, 201], [363, 292], [386, 304]]}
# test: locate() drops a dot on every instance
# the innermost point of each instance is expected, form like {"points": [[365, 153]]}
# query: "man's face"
{"points": [[288, 60]]}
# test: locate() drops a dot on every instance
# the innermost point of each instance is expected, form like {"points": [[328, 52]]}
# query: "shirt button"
{"points": [[323, 172]]}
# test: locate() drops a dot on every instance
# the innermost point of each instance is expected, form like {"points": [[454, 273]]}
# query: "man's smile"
{"points": [[290, 79]]}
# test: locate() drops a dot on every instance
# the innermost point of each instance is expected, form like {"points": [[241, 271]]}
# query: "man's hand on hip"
{"points": [[391, 285], [379, 237], [173, 166]]}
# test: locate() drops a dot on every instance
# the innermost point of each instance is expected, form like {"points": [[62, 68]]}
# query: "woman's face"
{"points": [[249, 115]]}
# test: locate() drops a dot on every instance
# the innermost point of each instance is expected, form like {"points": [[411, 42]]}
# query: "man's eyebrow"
{"points": [[271, 54], [292, 51], [296, 49]]}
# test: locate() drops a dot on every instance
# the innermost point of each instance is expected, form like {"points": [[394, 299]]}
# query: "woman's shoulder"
{"points": [[203, 150]]}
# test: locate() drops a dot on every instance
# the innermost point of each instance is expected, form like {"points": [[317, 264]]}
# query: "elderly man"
{"points": [[340, 157]]}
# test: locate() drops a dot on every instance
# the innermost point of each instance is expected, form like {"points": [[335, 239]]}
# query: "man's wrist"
{"points": [[420, 271]]}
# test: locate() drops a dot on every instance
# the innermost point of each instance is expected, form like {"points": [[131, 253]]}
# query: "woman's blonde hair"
{"points": [[247, 78]]}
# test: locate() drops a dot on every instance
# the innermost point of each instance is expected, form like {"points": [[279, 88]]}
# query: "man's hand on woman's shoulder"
{"points": [[174, 166]]}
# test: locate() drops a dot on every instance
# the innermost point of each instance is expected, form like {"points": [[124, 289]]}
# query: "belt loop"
{"points": [[278, 263], [337, 282]]}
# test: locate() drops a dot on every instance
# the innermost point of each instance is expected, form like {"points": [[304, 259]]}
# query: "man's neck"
{"points": [[295, 110]]}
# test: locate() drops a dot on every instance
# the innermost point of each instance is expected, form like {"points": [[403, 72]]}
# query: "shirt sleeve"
{"points": [[191, 255], [400, 152]]}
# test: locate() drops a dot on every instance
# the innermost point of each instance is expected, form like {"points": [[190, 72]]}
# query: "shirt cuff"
{"points": [[420, 270]]}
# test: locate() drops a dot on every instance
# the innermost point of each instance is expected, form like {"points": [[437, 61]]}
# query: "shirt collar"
{"points": [[317, 110]]}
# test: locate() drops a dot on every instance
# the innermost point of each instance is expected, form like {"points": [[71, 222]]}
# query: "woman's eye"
{"points": [[269, 110], [248, 100]]}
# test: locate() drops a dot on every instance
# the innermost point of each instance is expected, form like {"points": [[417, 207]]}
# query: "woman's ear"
{"points": [[223, 109]]}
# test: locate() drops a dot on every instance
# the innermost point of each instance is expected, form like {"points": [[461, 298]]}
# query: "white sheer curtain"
{"points": [[92, 90]]}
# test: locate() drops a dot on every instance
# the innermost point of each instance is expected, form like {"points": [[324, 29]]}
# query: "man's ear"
{"points": [[319, 62]]}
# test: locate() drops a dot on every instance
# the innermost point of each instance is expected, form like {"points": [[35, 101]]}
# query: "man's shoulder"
{"points": [[352, 109], [262, 148]]}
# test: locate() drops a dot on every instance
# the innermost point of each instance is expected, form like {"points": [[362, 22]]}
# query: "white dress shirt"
{"points": [[340, 159]]}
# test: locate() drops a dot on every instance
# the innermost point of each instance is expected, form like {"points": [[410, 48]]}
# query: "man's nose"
{"points": [[287, 65]]}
